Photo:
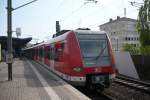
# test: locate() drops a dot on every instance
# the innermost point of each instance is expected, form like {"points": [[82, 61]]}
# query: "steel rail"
{"points": [[133, 80], [134, 85]]}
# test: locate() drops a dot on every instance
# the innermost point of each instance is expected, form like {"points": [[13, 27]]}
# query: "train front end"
{"points": [[98, 66]]}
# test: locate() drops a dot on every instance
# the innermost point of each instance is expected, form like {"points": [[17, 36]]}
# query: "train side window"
{"points": [[43, 52], [36, 52], [48, 53], [51, 53], [40, 52]]}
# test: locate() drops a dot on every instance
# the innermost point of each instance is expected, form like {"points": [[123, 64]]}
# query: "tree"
{"points": [[143, 24]]}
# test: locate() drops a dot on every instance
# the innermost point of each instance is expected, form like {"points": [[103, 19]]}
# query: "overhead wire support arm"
{"points": [[136, 4], [9, 56], [90, 1], [24, 5]]}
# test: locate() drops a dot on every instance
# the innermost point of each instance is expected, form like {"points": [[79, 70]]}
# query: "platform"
{"points": [[32, 82]]}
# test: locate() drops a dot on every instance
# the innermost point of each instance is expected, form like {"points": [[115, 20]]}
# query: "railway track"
{"points": [[124, 88], [132, 83]]}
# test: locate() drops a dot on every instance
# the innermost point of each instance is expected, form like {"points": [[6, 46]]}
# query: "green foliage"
{"points": [[143, 26], [145, 50], [137, 51], [130, 48]]}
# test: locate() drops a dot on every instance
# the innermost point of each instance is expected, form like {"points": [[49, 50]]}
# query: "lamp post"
{"points": [[9, 41], [9, 56]]}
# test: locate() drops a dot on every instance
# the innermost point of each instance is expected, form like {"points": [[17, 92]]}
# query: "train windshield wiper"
{"points": [[101, 52]]}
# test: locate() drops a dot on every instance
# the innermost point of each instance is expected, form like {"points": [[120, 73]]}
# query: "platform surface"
{"points": [[32, 82]]}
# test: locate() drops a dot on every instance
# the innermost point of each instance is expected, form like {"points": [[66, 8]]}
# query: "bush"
{"points": [[131, 49], [145, 50]]}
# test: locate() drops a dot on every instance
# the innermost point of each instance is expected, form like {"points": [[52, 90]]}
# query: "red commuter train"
{"points": [[81, 57]]}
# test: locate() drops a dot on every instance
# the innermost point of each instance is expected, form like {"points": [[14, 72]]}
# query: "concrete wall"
{"points": [[125, 64]]}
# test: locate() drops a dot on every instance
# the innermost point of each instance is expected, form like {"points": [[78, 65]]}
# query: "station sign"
{"points": [[18, 32], [9, 58]]}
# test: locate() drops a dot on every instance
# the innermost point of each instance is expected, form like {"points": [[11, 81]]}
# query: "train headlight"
{"points": [[77, 69]]}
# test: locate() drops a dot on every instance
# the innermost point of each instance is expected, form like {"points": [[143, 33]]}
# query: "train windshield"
{"points": [[94, 49]]}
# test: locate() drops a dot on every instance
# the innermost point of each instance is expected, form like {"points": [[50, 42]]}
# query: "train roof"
{"points": [[89, 32], [58, 38], [36, 45], [63, 36]]}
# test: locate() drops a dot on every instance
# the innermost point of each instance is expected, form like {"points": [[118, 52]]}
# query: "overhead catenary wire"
{"points": [[73, 12], [85, 17], [136, 4], [60, 4], [79, 8], [89, 14]]}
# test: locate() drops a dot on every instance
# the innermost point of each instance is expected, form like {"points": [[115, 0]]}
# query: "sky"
{"points": [[38, 19]]}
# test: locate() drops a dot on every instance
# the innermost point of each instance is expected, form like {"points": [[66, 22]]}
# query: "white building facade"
{"points": [[121, 31]]}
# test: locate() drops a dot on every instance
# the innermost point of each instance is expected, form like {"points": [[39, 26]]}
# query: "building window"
{"points": [[129, 38], [132, 38]]}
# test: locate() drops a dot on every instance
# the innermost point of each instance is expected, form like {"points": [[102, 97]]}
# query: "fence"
{"points": [[0, 53], [142, 64]]}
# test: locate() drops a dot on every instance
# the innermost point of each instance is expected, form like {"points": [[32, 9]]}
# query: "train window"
{"points": [[41, 52], [32, 53], [52, 53], [36, 52], [94, 49], [48, 53], [91, 48], [56, 55]]}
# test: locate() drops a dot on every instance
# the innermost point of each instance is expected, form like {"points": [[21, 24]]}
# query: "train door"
{"points": [[38, 49], [47, 55], [52, 56], [35, 55], [42, 54], [32, 53], [59, 56]]}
